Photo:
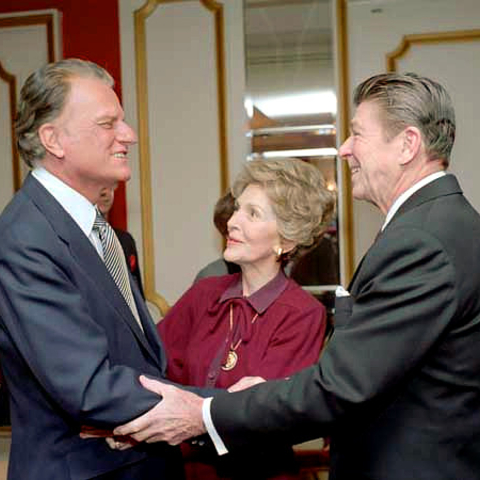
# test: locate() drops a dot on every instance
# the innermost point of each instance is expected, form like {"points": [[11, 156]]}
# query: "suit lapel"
{"points": [[87, 259], [446, 185]]}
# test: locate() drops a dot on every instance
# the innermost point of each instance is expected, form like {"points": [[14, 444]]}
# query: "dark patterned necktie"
{"points": [[114, 260]]}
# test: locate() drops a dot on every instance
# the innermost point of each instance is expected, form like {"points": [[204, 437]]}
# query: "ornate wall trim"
{"points": [[343, 100], [428, 38], [46, 19], [140, 17], [40, 19], [12, 91]]}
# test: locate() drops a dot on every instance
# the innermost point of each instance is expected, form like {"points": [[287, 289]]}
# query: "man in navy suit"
{"points": [[398, 386], [71, 348]]}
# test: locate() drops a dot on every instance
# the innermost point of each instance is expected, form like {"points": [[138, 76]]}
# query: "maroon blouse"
{"points": [[286, 336], [279, 330]]}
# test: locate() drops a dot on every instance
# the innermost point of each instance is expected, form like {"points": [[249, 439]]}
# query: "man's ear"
{"points": [[412, 142], [48, 135]]}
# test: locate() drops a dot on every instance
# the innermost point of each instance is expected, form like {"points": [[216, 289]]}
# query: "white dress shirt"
{"points": [[408, 193], [75, 204]]}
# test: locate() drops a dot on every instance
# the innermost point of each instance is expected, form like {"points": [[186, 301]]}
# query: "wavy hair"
{"points": [[299, 197], [42, 99]]}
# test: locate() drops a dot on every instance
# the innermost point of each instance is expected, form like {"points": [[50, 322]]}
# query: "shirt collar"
{"points": [[262, 298], [408, 193], [75, 204]]}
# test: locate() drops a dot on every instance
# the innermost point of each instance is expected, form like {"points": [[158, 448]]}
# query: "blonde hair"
{"points": [[299, 197]]}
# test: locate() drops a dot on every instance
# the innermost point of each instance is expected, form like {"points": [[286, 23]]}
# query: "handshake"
{"points": [[176, 418]]}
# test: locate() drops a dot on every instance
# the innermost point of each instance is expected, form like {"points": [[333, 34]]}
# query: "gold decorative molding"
{"points": [[140, 16], [27, 20], [343, 100], [428, 38], [45, 19], [12, 91]]}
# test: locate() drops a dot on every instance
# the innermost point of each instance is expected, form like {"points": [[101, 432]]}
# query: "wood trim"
{"points": [[151, 295], [46, 19], [11, 80], [40, 19], [343, 100], [428, 38], [217, 9], [140, 16]]}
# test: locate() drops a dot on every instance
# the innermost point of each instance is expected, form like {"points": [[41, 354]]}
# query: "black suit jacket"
{"points": [[398, 385], [70, 350], [131, 256]]}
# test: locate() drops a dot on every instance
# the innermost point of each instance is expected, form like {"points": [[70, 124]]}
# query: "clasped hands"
{"points": [[176, 418]]}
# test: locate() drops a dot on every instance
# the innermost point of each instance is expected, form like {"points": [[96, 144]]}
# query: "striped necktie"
{"points": [[114, 260]]}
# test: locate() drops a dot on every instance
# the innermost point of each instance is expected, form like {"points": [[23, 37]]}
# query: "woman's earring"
{"points": [[279, 252]]}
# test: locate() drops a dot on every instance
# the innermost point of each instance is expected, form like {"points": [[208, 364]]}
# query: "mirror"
{"points": [[291, 105]]}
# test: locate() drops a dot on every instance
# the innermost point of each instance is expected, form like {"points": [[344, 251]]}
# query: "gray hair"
{"points": [[411, 100], [42, 99]]}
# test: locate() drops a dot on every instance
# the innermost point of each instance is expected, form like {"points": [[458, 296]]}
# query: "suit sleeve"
{"points": [[57, 338], [405, 301]]}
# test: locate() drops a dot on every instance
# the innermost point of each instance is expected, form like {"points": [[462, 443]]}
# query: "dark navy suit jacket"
{"points": [[71, 350]]}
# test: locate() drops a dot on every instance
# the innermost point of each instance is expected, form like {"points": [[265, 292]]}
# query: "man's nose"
{"points": [[345, 149], [126, 133]]}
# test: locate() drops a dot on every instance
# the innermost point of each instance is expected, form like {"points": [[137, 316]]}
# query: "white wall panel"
{"points": [[185, 131]]}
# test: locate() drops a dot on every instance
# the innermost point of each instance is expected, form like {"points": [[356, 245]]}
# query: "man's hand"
{"points": [[174, 419], [245, 382]]}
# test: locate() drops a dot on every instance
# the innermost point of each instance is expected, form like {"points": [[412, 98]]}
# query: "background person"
{"points": [[256, 322], [72, 343], [397, 387], [222, 212], [107, 196]]}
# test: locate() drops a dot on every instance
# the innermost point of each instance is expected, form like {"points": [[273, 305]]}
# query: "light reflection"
{"points": [[298, 104]]}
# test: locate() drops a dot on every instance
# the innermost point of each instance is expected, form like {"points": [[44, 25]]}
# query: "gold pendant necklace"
{"points": [[232, 356]]}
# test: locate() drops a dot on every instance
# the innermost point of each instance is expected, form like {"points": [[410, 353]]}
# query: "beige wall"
{"points": [[184, 133]]}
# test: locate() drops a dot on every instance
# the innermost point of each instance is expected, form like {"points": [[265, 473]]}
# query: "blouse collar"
{"points": [[262, 298]]}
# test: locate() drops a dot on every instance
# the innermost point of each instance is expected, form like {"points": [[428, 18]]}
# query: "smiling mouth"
{"points": [[120, 155]]}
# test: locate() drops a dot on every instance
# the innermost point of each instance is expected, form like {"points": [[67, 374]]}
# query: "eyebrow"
{"points": [[106, 117], [250, 205]]}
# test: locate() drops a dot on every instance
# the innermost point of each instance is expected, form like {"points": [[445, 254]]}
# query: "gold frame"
{"points": [[140, 16], [22, 21], [343, 101], [424, 38], [11, 81]]}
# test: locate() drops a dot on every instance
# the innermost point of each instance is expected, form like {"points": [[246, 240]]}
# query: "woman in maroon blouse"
{"points": [[256, 322]]}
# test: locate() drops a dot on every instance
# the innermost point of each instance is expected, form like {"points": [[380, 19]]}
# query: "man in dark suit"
{"points": [[398, 386], [72, 342]]}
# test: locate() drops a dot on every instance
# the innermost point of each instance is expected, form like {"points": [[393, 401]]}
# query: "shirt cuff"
{"points": [[212, 431]]}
